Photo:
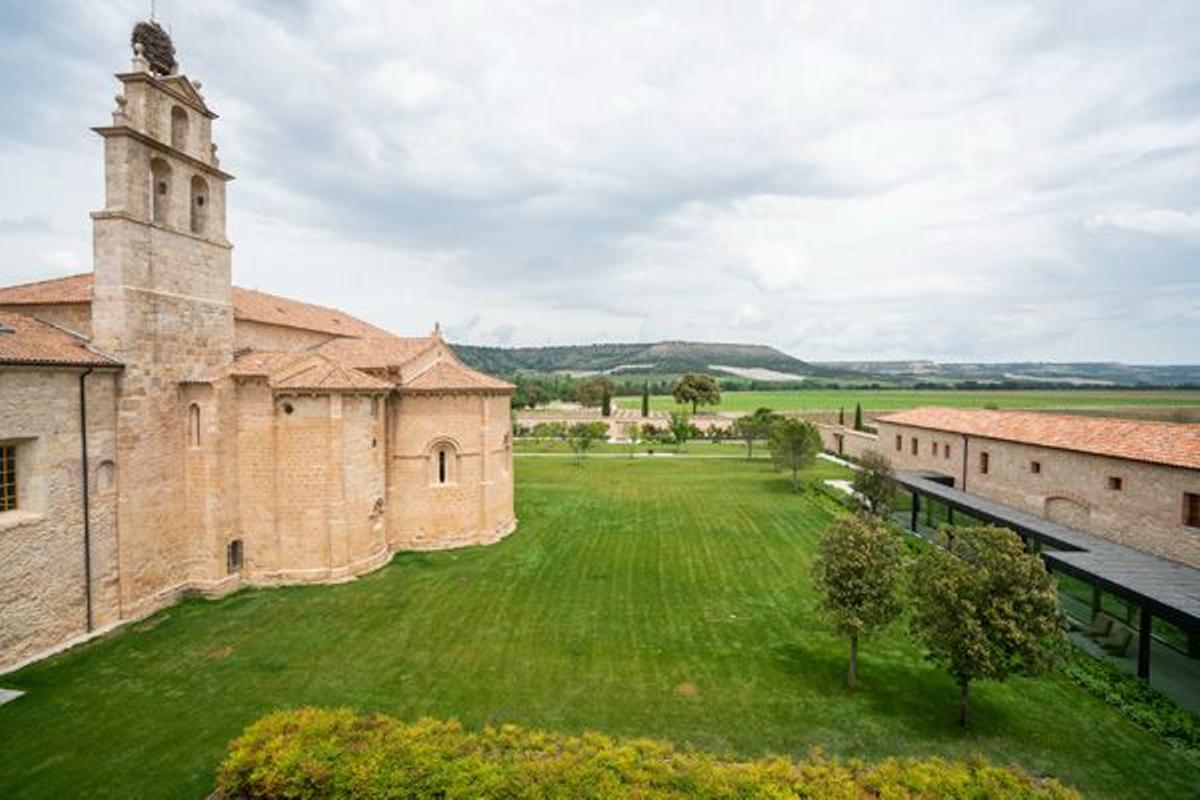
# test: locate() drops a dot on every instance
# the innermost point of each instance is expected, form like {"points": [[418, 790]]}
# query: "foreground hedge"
{"points": [[313, 753]]}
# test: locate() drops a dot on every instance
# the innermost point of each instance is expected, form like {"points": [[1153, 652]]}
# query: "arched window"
{"points": [[199, 204], [160, 190], [179, 128], [194, 425], [443, 463]]}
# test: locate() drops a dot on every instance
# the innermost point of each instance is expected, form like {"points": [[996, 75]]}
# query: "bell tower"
{"points": [[161, 301], [162, 263]]}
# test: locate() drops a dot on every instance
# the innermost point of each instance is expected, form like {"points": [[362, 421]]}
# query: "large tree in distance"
{"points": [[591, 393], [698, 390], [874, 483], [794, 445], [857, 572], [983, 607]]}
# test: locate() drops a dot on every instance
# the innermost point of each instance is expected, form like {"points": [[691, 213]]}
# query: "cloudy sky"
{"points": [[948, 180]]}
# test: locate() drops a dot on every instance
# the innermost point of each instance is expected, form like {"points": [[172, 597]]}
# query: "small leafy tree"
{"points": [[645, 399], [874, 483], [794, 445], [857, 572], [983, 607], [681, 427], [858, 422], [606, 403], [633, 433], [582, 435], [698, 390], [754, 426]]}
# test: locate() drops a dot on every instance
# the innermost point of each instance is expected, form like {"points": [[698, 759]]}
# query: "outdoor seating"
{"points": [[1102, 626], [1117, 643]]}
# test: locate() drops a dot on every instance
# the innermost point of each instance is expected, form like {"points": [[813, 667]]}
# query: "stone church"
{"points": [[163, 431]]}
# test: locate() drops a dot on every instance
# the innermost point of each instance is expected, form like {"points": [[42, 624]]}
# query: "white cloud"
{"points": [[1154, 221], [841, 180]]}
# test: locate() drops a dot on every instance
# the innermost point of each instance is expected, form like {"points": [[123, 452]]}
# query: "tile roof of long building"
{"points": [[25, 340], [1174, 444]]}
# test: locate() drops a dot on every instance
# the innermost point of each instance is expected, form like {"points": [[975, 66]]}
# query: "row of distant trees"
{"points": [[981, 606], [598, 391]]}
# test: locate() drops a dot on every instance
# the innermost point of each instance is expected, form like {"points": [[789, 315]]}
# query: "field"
{"points": [[662, 597], [896, 399]]}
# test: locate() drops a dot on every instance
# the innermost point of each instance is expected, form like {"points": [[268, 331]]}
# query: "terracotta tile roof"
{"points": [[25, 340], [325, 376], [1168, 443], [304, 370], [72, 289], [255, 306], [248, 304], [376, 352], [452, 376]]}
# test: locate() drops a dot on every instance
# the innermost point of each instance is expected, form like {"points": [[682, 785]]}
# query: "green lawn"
{"points": [[895, 399], [660, 597]]}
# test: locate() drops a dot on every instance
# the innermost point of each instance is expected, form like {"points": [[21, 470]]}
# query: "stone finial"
{"points": [[119, 113], [140, 62]]}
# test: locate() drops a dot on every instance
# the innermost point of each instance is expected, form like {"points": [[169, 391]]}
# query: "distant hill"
{"points": [[762, 365], [1031, 373], [744, 360]]}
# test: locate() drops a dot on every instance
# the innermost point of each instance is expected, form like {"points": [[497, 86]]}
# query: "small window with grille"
{"points": [[8, 477]]}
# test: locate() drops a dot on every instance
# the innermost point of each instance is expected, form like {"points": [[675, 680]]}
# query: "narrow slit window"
{"points": [[915, 445], [899, 443], [441, 466], [8, 477], [234, 556], [194, 425], [984, 463]]}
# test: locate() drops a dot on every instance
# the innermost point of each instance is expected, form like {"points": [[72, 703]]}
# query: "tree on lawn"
{"points": [[681, 427], [645, 399], [698, 390], [591, 393], [633, 433], [794, 445], [606, 402], [754, 426], [582, 435], [858, 423], [874, 483], [983, 607], [857, 571]]}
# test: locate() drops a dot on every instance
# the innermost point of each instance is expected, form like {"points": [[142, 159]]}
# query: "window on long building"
{"points": [[1191, 509], [8, 477], [983, 463]]}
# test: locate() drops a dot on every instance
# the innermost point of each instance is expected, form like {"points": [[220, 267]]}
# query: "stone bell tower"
{"points": [[162, 296]]}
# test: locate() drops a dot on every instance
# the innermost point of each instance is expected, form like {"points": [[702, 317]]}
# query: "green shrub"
{"points": [[314, 753], [1141, 703]]}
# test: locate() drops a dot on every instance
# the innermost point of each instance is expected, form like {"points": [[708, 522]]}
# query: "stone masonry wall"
{"points": [[1071, 487], [42, 588], [472, 507]]}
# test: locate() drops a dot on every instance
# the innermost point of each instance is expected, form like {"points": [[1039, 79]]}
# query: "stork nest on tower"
{"points": [[156, 47]]}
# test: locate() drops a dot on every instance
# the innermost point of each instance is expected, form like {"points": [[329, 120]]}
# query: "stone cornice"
{"points": [[108, 131]]}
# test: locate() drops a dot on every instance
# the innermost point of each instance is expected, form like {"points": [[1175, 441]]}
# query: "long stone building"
{"points": [[163, 431], [1133, 482]]}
